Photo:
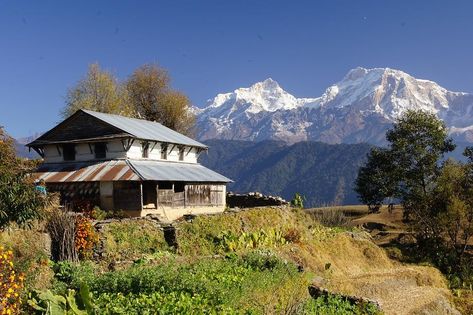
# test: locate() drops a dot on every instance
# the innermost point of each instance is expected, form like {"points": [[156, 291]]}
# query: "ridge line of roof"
{"points": [[97, 115]]}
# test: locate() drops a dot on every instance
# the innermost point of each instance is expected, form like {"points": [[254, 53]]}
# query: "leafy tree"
{"points": [[418, 142], [408, 167], [152, 98], [376, 180], [451, 210], [99, 91], [19, 200], [145, 94]]}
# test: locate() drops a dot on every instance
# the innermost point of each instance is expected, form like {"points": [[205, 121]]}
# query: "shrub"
{"points": [[11, 283], [298, 201], [85, 238], [263, 260]]}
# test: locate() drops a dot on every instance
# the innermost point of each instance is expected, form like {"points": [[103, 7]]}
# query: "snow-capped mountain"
{"points": [[359, 108]]}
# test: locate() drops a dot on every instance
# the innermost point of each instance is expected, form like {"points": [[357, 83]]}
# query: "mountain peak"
{"points": [[358, 108]]}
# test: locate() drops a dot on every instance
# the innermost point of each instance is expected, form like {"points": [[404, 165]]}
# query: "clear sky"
{"points": [[211, 47]]}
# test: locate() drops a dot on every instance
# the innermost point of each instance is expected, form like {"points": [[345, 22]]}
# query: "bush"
{"points": [[11, 283], [263, 260], [85, 238]]}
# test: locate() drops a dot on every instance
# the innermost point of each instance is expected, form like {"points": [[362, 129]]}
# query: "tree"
{"points": [[152, 98], [146, 94], [408, 167], [451, 210], [99, 91], [19, 201], [418, 142], [376, 179]]}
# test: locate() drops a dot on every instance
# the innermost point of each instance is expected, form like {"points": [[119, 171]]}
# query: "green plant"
{"points": [[229, 241], [73, 303], [336, 305], [298, 201], [131, 240]]}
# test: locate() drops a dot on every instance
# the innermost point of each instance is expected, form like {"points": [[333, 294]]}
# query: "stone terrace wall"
{"points": [[253, 199]]}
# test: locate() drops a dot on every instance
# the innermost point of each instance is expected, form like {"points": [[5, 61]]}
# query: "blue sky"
{"points": [[216, 46]]}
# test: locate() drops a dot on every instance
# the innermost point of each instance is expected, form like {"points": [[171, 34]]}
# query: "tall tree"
{"points": [[152, 98], [98, 91], [19, 201], [376, 180]]}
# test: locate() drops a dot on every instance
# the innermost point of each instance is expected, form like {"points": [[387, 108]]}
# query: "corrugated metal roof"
{"points": [[85, 172], [145, 129], [119, 170], [175, 171]]}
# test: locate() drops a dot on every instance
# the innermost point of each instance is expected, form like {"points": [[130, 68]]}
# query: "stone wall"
{"points": [[253, 199]]}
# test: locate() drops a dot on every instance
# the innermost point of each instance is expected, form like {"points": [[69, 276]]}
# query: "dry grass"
{"points": [[349, 210]]}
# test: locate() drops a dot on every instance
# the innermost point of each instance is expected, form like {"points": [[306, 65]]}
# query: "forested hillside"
{"points": [[323, 173]]}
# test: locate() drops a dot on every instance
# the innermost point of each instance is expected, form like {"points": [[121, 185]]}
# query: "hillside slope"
{"points": [[323, 173], [344, 262]]}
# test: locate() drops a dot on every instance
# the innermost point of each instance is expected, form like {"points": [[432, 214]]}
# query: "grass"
{"points": [[131, 240], [281, 252]]}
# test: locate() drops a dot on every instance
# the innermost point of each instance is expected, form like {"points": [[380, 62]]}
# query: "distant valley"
{"points": [[323, 173]]}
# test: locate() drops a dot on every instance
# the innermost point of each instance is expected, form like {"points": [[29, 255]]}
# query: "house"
{"points": [[134, 165]]}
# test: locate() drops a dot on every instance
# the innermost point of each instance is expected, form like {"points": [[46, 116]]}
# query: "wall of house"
{"points": [[53, 153], [178, 212], [135, 152]]}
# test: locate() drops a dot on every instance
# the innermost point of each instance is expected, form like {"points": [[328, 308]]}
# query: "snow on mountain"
{"points": [[359, 108]]}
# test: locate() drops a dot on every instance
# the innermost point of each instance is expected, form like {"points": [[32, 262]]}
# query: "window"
{"points": [[145, 149], [164, 151], [69, 152], [181, 153], [100, 150]]}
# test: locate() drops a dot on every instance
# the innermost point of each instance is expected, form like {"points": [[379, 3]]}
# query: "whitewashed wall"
{"points": [[115, 151], [135, 152]]}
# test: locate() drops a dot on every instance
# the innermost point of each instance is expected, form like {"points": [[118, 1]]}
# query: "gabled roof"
{"points": [[145, 129], [122, 126]]}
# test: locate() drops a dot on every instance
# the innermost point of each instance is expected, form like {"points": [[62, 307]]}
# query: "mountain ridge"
{"points": [[359, 108]]}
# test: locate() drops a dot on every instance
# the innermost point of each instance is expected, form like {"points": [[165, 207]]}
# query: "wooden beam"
{"points": [[154, 145], [58, 150], [130, 143], [189, 151], [141, 195], [40, 151], [90, 148]]}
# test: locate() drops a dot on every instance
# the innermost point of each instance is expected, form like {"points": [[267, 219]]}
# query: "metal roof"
{"points": [[126, 170], [85, 172], [145, 129], [175, 171]]}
